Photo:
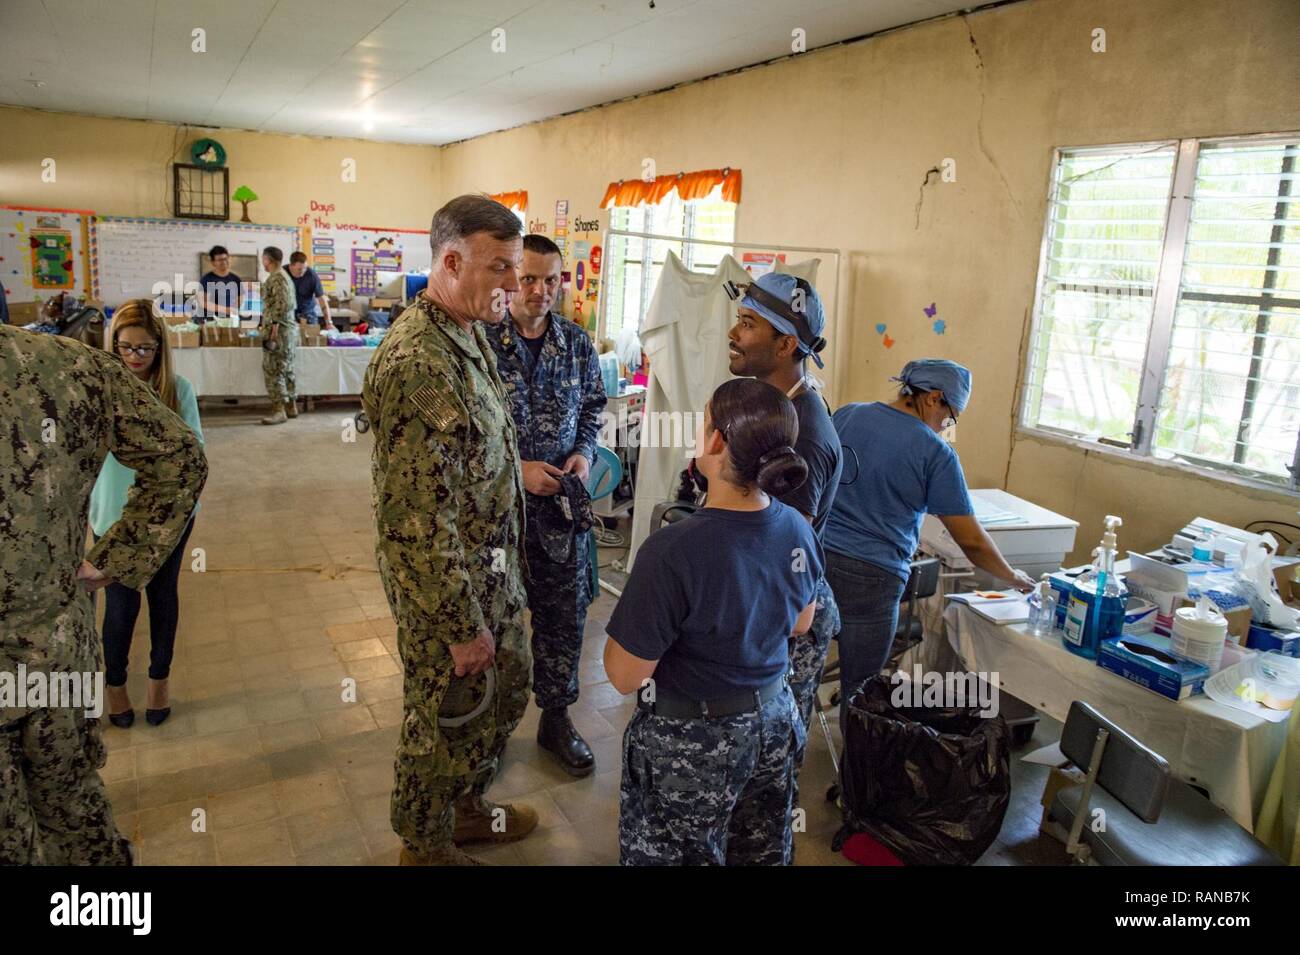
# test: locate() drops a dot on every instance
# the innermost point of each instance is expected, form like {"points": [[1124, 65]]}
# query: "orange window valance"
{"points": [[512, 200], [689, 185]]}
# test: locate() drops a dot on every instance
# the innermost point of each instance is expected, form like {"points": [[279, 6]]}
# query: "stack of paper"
{"points": [[990, 515], [999, 606]]}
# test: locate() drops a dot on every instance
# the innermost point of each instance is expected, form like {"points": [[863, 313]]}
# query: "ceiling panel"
{"points": [[399, 70]]}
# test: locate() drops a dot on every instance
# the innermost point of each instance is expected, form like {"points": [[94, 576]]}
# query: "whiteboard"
{"points": [[55, 264], [128, 255], [361, 261]]}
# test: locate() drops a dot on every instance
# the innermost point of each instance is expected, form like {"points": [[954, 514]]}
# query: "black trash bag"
{"points": [[930, 783]]}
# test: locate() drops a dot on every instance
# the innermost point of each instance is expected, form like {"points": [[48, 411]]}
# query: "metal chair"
{"points": [[1130, 809]]}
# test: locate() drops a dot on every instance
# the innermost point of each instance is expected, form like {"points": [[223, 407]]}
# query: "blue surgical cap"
{"points": [[938, 374], [782, 286]]}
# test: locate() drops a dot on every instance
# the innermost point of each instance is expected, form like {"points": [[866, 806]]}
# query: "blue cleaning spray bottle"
{"points": [[1098, 600]]}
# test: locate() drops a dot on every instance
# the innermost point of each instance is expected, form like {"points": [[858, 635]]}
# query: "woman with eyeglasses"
{"points": [[897, 469], [140, 341]]}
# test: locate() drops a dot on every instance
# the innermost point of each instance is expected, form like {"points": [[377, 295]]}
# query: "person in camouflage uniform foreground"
{"points": [[448, 499], [63, 408]]}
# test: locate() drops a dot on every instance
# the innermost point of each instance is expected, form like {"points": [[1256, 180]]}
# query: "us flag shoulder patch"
{"points": [[435, 407]]}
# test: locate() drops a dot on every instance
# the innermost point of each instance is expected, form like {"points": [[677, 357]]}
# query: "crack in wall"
{"points": [[920, 195], [979, 123]]}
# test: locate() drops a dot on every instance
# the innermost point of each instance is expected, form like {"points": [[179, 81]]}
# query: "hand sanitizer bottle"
{"points": [[1042, 609], [1096, 609]]}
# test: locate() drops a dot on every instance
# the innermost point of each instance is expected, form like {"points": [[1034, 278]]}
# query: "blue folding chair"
{"points": [[606, 475]]}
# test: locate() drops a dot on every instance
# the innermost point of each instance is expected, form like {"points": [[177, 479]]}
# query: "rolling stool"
{"points": [[922, 581], [605, 476]]}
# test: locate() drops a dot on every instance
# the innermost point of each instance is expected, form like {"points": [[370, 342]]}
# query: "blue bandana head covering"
{"points": [[937, 374], [783, 286]]}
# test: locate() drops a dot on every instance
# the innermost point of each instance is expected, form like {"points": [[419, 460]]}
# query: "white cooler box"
{"points": [[1031, 538]]}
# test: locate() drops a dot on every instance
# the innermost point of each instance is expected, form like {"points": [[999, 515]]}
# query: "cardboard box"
{"points": [[179, 339], [308, 334], [250, 338], [216, 336], [1147, 660], [1287, 586], [24, 313], [1061, 777], [1264, 639]]}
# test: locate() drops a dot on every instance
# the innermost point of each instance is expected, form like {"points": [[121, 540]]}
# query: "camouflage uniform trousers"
{"points": [[808, 660], [558, 597], [53, 807], [278, 367], [710, 792], [438, 764]]}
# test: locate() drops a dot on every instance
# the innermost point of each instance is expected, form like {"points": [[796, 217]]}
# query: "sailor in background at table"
{"points": [[222, 288]]}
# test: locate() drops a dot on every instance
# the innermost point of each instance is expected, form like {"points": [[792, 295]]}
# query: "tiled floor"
{"points": [[262, 762]]}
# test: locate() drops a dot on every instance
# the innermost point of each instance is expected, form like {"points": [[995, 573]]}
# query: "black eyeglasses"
{"points": [[143, 351], [952, 411]]}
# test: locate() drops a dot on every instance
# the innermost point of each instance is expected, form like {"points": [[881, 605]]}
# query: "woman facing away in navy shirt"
{"points": [[701, 635]]}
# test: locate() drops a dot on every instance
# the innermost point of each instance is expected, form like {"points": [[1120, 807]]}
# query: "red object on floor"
{"points": [[864, 850]]}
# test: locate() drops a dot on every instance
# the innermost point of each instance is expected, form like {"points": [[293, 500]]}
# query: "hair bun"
{"points": [[775, 453], [781, 471]]}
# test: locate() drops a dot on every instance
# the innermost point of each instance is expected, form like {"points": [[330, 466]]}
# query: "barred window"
{"points": [[1167, 314]]}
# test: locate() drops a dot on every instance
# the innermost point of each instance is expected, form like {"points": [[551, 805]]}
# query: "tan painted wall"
{"points": [[834, 147], [123, 167]]}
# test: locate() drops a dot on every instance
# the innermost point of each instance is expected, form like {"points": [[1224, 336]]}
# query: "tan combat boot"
{"points": [[291, 409], [478, 820], [445, 856], [277, 416]]}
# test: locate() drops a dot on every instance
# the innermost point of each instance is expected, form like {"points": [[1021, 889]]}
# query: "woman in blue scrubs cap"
{"points": [[904, 470]]}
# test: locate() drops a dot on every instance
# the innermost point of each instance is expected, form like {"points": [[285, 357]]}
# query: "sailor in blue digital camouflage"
{"points": [[714, 792], [63, 408], [701, 635], [279, 338], [449, 514], [549, 367]]}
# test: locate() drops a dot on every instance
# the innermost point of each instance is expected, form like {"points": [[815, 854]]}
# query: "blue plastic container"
{"points": [[1091, 619]]}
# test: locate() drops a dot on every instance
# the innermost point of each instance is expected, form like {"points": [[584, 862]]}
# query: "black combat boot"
{"points": [[556, 734]]}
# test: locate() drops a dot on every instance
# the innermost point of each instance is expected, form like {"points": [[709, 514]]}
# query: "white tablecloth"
{"points": [[1224, 750], [237, 372]]}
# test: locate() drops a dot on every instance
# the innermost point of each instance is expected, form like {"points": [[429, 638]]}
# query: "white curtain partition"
{"points": [[685, 340]]}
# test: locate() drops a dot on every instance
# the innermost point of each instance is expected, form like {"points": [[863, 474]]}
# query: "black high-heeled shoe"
{"points": [[126, 717], [154, 716]]}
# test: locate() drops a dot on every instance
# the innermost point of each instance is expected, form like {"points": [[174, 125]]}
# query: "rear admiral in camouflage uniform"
{"points": [[549, 367], [449, 501], [63, 408]]}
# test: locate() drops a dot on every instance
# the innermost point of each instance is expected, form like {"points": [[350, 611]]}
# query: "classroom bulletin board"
{"points": [[362, 261], [43, 252]]}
